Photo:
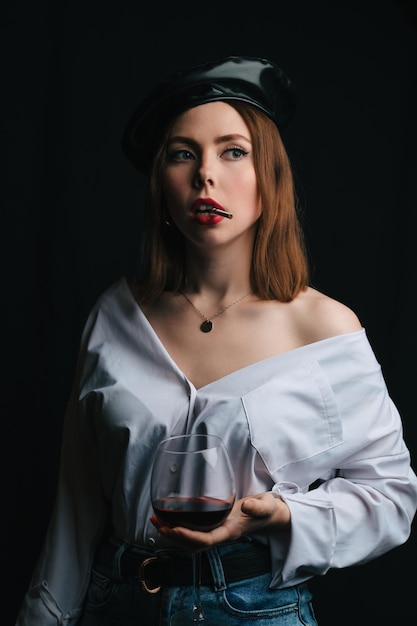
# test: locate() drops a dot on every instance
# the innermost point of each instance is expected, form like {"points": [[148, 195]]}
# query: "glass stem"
{"points": [[197, 609]]}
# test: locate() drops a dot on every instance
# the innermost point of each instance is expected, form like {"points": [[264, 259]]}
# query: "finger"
{"points": [[256, 507]]}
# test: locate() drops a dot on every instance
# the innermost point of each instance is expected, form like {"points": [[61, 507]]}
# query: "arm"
{"points": [[59, 582], [367, 495]]}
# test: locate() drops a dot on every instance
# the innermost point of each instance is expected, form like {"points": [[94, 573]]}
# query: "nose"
{"points": [[203, 176]]}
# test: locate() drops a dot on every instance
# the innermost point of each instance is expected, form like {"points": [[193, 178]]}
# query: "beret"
{"points": [[254, 80]]}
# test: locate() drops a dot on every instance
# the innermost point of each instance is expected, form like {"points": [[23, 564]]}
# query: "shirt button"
{"points": [[150, 541]]}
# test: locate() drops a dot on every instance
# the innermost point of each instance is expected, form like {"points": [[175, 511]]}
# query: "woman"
{"points": [[221, 332]]}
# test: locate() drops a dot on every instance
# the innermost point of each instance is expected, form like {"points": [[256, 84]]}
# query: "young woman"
{"points": [[221, 333]]}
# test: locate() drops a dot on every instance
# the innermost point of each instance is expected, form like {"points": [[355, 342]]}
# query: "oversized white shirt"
{"points": [[319, 414]]}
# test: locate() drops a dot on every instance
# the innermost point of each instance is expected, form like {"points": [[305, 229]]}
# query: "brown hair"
{"points": [[280, 265]]}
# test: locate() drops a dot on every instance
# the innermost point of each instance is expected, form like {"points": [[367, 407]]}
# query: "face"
{"points": [[210, 164]]}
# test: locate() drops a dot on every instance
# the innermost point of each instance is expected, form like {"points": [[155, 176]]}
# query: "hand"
{"points": [[248, 515]]}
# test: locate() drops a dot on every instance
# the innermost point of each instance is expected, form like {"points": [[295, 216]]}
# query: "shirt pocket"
{"points": [[294, 424]]}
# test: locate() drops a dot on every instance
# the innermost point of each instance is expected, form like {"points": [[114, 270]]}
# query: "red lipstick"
{"points": [[204, 207]]}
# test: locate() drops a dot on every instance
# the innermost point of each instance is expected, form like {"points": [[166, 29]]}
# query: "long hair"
{"points": [[280, 263]]}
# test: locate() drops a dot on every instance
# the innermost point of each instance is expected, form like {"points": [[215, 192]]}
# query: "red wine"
{"points": [[194, 513]]}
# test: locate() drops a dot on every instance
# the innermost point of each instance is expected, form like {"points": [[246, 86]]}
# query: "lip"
{"points": [[203, 217]]}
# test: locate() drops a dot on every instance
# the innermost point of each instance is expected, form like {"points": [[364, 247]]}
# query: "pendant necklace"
{"points": [[207, 325]]}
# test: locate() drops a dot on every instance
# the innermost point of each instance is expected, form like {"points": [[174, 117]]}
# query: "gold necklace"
{"points": [[207, 325]]}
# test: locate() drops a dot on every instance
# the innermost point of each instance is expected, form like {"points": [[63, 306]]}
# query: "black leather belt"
{"points": [[170, 570]]}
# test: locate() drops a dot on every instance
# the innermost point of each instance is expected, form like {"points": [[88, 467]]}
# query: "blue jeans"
{"points": [[116, 601]]}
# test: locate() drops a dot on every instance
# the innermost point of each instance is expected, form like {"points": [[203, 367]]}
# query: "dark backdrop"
{"points": [[71, 74]]}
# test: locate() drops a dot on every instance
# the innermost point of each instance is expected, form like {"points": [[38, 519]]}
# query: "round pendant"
{"points": [[206, 326]]}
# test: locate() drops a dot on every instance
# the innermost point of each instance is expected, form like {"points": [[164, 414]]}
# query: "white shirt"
{"points": [[318, 413]]}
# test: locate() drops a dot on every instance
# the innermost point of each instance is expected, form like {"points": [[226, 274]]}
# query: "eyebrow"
{"points": [[219, 140]]}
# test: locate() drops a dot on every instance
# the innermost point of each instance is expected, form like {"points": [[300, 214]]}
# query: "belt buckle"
{"points": [[142, 576]]}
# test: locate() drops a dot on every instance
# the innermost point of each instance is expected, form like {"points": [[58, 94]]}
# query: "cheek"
{"points": [[174, 189], [169, 183], [246, 187]]}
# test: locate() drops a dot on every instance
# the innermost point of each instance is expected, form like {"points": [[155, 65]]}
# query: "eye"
{"points": [[235, 153], [181, 155]]}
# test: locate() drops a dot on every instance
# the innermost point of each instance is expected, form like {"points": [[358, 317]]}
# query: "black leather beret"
{"points": [[248, 79]]}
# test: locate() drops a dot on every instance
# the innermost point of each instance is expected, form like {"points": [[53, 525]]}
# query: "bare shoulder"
{"points": [[319, 317]]}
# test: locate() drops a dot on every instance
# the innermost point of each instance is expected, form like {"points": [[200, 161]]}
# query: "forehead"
{"points": [[218, 118]]}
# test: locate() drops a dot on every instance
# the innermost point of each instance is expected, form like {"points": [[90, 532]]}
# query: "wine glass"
{"points": [[192, 485]]}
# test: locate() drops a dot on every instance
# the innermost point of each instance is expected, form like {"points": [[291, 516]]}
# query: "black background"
{"points": [[71, 74]]}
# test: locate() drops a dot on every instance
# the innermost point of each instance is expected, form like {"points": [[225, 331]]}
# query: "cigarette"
{"points": [[222, 213]]}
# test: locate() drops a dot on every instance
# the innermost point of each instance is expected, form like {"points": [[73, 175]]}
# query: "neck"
{"points": [[218, 282], [220, 271]]}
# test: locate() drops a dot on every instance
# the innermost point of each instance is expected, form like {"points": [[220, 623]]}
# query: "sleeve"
{"points": [[59, 583], [365, 504]]}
